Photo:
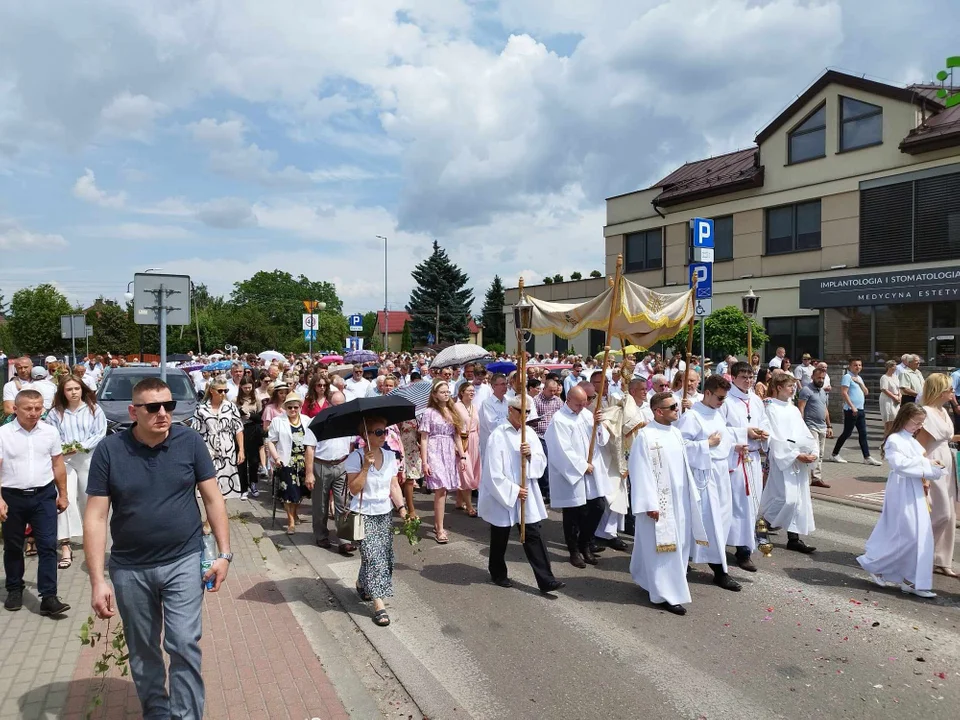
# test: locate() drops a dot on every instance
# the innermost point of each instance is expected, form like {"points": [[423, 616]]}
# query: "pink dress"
{"points": [[470, 420], [441, 451]]}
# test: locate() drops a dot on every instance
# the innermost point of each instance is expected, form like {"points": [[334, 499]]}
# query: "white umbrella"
{"points": [[458, 355], [271, 355]]}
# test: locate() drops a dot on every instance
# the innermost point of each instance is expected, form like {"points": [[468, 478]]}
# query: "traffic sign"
{"points": [[356, 323], [310, 305], [309, 334], [353, 343], [310, 322], [703, 274], [702, 232], [702, 308]]}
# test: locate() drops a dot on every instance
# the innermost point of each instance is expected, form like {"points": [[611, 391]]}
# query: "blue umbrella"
{"points": [[501, 367], [358, 357], [220, 365]]}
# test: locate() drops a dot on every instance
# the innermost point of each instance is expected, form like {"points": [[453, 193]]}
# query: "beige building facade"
{"points": [[844, 218]]}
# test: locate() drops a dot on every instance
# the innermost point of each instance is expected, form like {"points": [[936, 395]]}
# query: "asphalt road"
{"points": [[808, 637]]}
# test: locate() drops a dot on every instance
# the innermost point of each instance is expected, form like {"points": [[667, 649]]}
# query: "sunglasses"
{"points": [[379, 433], [154, 407], [221, 392], [292, 406], [668, 407]]}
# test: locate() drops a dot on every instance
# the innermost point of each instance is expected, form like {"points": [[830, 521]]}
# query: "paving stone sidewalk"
{"points": [[257, 662]]}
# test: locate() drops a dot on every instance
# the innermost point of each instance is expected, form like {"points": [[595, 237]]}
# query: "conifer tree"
{"points": [[441, 291], [492, 318]]}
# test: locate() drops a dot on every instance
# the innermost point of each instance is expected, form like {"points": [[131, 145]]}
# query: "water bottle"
{"points": [[208, 553]]}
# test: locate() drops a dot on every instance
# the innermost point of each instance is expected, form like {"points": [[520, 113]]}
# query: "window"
{"points": [[793, 228], [861, 124], [597, 341], [797, 335], [644, 250], [808, 141], [560, 344], [722, 240]]}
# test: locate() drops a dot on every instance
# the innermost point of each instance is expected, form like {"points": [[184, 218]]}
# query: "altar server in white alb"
{"points": [[577, 484], [900, 548], [709, 443], [746, 417], [786, 499], [613, 519], [501, 496], [666, 504]]}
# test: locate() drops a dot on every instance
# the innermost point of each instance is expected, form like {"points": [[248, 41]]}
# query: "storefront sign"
{"points": [[889, 288]]}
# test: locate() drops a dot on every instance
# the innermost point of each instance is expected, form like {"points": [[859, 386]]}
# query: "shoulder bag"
{"points": [[350, 525]]}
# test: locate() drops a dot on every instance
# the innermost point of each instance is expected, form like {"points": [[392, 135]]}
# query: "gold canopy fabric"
{"points": [[641, 315]]}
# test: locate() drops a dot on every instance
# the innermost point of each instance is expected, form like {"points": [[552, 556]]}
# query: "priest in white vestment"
{"points": [[709, 442], [745, 416], [614, 515], [500, 497], [493, 410], [900, 548], [786, 501], [692, 380], [666, 504], [577, 485]]}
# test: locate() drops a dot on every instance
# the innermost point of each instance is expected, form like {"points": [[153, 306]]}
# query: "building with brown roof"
{"points": [[844, 218]]}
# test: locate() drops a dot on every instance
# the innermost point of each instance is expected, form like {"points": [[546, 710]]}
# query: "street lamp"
{"points": [[386, 317], [522, 322], [749, 303]]}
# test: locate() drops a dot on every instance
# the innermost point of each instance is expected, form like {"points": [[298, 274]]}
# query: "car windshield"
{"points": [[119, 386]]}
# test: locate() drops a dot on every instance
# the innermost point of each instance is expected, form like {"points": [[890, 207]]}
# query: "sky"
{"points": [[217, 138]]}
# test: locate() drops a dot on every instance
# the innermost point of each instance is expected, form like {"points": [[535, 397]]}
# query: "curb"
{"points": [[856, 503]]}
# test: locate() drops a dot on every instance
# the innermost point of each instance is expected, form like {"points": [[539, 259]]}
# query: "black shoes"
{"points": [[746, 564], [726, 582], [618, 545], [800, 546], [675, 609], [589, 557], [14, 600], [596, 548], [576, 559], [51, 605], [503, 582], [555, 585]]}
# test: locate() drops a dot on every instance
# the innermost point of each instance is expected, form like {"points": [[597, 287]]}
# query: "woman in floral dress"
{"points": [[290, 445], [469, 439], [219, 423], [441, 451]]}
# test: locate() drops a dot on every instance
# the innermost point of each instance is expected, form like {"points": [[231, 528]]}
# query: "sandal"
{"points": [[949, 572], [472, 512], [441, 538], [381, 618], [67, 561], [30, 548], [363, 596]]}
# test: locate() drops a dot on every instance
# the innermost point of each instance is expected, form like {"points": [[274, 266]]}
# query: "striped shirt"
{"points": [[546, 409], [80, 425]]}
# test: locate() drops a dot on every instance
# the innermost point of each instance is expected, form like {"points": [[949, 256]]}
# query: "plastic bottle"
{"points": [[208, 553]]}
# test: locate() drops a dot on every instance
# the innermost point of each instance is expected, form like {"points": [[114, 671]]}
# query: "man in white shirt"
{"points": [[43, 385], [493, 411], [94, 370], [777, 360], [902, 365], [659, 384], [804, 371], [234, 381], [644, 368], [329, 474], [356, 386], [85, 377], [574, 378], [33, 490], [482, 389], [21, 381]]}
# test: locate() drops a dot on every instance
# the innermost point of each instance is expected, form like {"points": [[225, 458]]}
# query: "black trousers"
{"points": [[581, 522], [40, 511], [250, 466], [533, 547], [853, 419], [544, 481]]}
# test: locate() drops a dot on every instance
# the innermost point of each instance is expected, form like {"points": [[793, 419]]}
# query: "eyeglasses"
{"points": [[720, 398], [154, 407], [292, 406], [379, 432], [671, 408], [221, 391]]}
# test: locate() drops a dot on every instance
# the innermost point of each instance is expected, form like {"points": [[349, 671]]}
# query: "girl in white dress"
{"points": [[900, 548]]}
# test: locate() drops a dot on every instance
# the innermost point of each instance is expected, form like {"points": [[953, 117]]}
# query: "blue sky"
{"points": [[218, 138]]}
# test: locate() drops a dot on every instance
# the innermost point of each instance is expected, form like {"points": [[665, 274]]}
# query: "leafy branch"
{"points": [[114, 652], [411, 530]]}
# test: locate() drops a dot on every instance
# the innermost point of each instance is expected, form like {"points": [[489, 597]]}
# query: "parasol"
{"points": [[221, 365], [501, 367], [271, 355], [417, 392], [328, 359], [345, 420], [456, 355], [358, 357]]}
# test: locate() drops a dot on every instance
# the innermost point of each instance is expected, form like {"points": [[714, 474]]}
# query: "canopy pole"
{"points": [[522, 369], [693, 320], [614, 306]]}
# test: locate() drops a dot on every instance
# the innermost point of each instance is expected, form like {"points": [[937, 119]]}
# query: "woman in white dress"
{"points": [[786, 498], [936, 436], [889, 396], [900, 548]]}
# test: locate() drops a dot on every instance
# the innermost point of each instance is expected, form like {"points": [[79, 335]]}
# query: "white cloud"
{"points": [[227, 213], [132, 115], [138, 231], [85, 188], [13, 236]]}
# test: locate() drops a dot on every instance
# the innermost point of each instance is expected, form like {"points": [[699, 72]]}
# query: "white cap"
{"points": [[49, 359], [39, 373]]}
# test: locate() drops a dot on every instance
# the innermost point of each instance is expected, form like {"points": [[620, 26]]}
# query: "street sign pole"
{"points": [[162, 302], [701, 278], [73, 344]]}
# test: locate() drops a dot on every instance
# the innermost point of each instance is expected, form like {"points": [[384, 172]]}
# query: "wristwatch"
{"points": [[225, 556]]}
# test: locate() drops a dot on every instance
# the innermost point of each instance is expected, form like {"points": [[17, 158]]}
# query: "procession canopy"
{"points": [[641, 315]]}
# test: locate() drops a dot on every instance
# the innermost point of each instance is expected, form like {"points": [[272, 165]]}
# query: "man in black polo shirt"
{"points": [[150, 474]]}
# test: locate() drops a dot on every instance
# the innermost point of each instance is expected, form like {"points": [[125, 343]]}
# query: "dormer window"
{"points": [[861, 124], [808, 141]]}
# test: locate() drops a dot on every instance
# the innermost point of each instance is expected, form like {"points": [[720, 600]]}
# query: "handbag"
{"points": [[350, 525]]}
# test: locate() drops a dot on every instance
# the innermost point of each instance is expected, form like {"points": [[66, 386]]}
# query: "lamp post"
{"points": [[749, 303], [386, 316], [522, 322], [318, 305]]}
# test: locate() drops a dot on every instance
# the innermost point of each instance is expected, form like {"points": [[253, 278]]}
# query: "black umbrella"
{"points": [[346, 419]]}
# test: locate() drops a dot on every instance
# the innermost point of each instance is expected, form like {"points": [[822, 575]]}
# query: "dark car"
{"points": [[116, 393]]}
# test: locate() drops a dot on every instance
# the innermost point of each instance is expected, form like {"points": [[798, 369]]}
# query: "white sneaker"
{"points": [[878, 580], [837, 459], [911, 590], [243, 496], [872, 461]]}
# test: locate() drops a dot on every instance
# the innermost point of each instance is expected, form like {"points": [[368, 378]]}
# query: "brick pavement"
{"points": [[257, 662]]}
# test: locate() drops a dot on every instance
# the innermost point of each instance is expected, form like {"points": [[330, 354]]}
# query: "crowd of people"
{"points": [[681, 460]]}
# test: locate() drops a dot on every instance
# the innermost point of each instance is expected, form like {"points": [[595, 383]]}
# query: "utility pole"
{"points": [[436, 337], [386, 314]]}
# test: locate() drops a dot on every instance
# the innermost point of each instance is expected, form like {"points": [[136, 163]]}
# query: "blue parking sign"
{"points": [[702, 273], [702, 232]]}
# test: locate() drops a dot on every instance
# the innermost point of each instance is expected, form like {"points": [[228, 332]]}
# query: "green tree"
{"points": [[548, 280], [494, 326], [576, 276], [406, 340], [726, 333], [369, 325], [3, 305], [35, 320], [558, 278], [440, 284], [595, 274], [110, 330]]}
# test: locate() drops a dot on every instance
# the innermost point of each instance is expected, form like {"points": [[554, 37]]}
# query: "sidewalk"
{"points": [[257, 661]]}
